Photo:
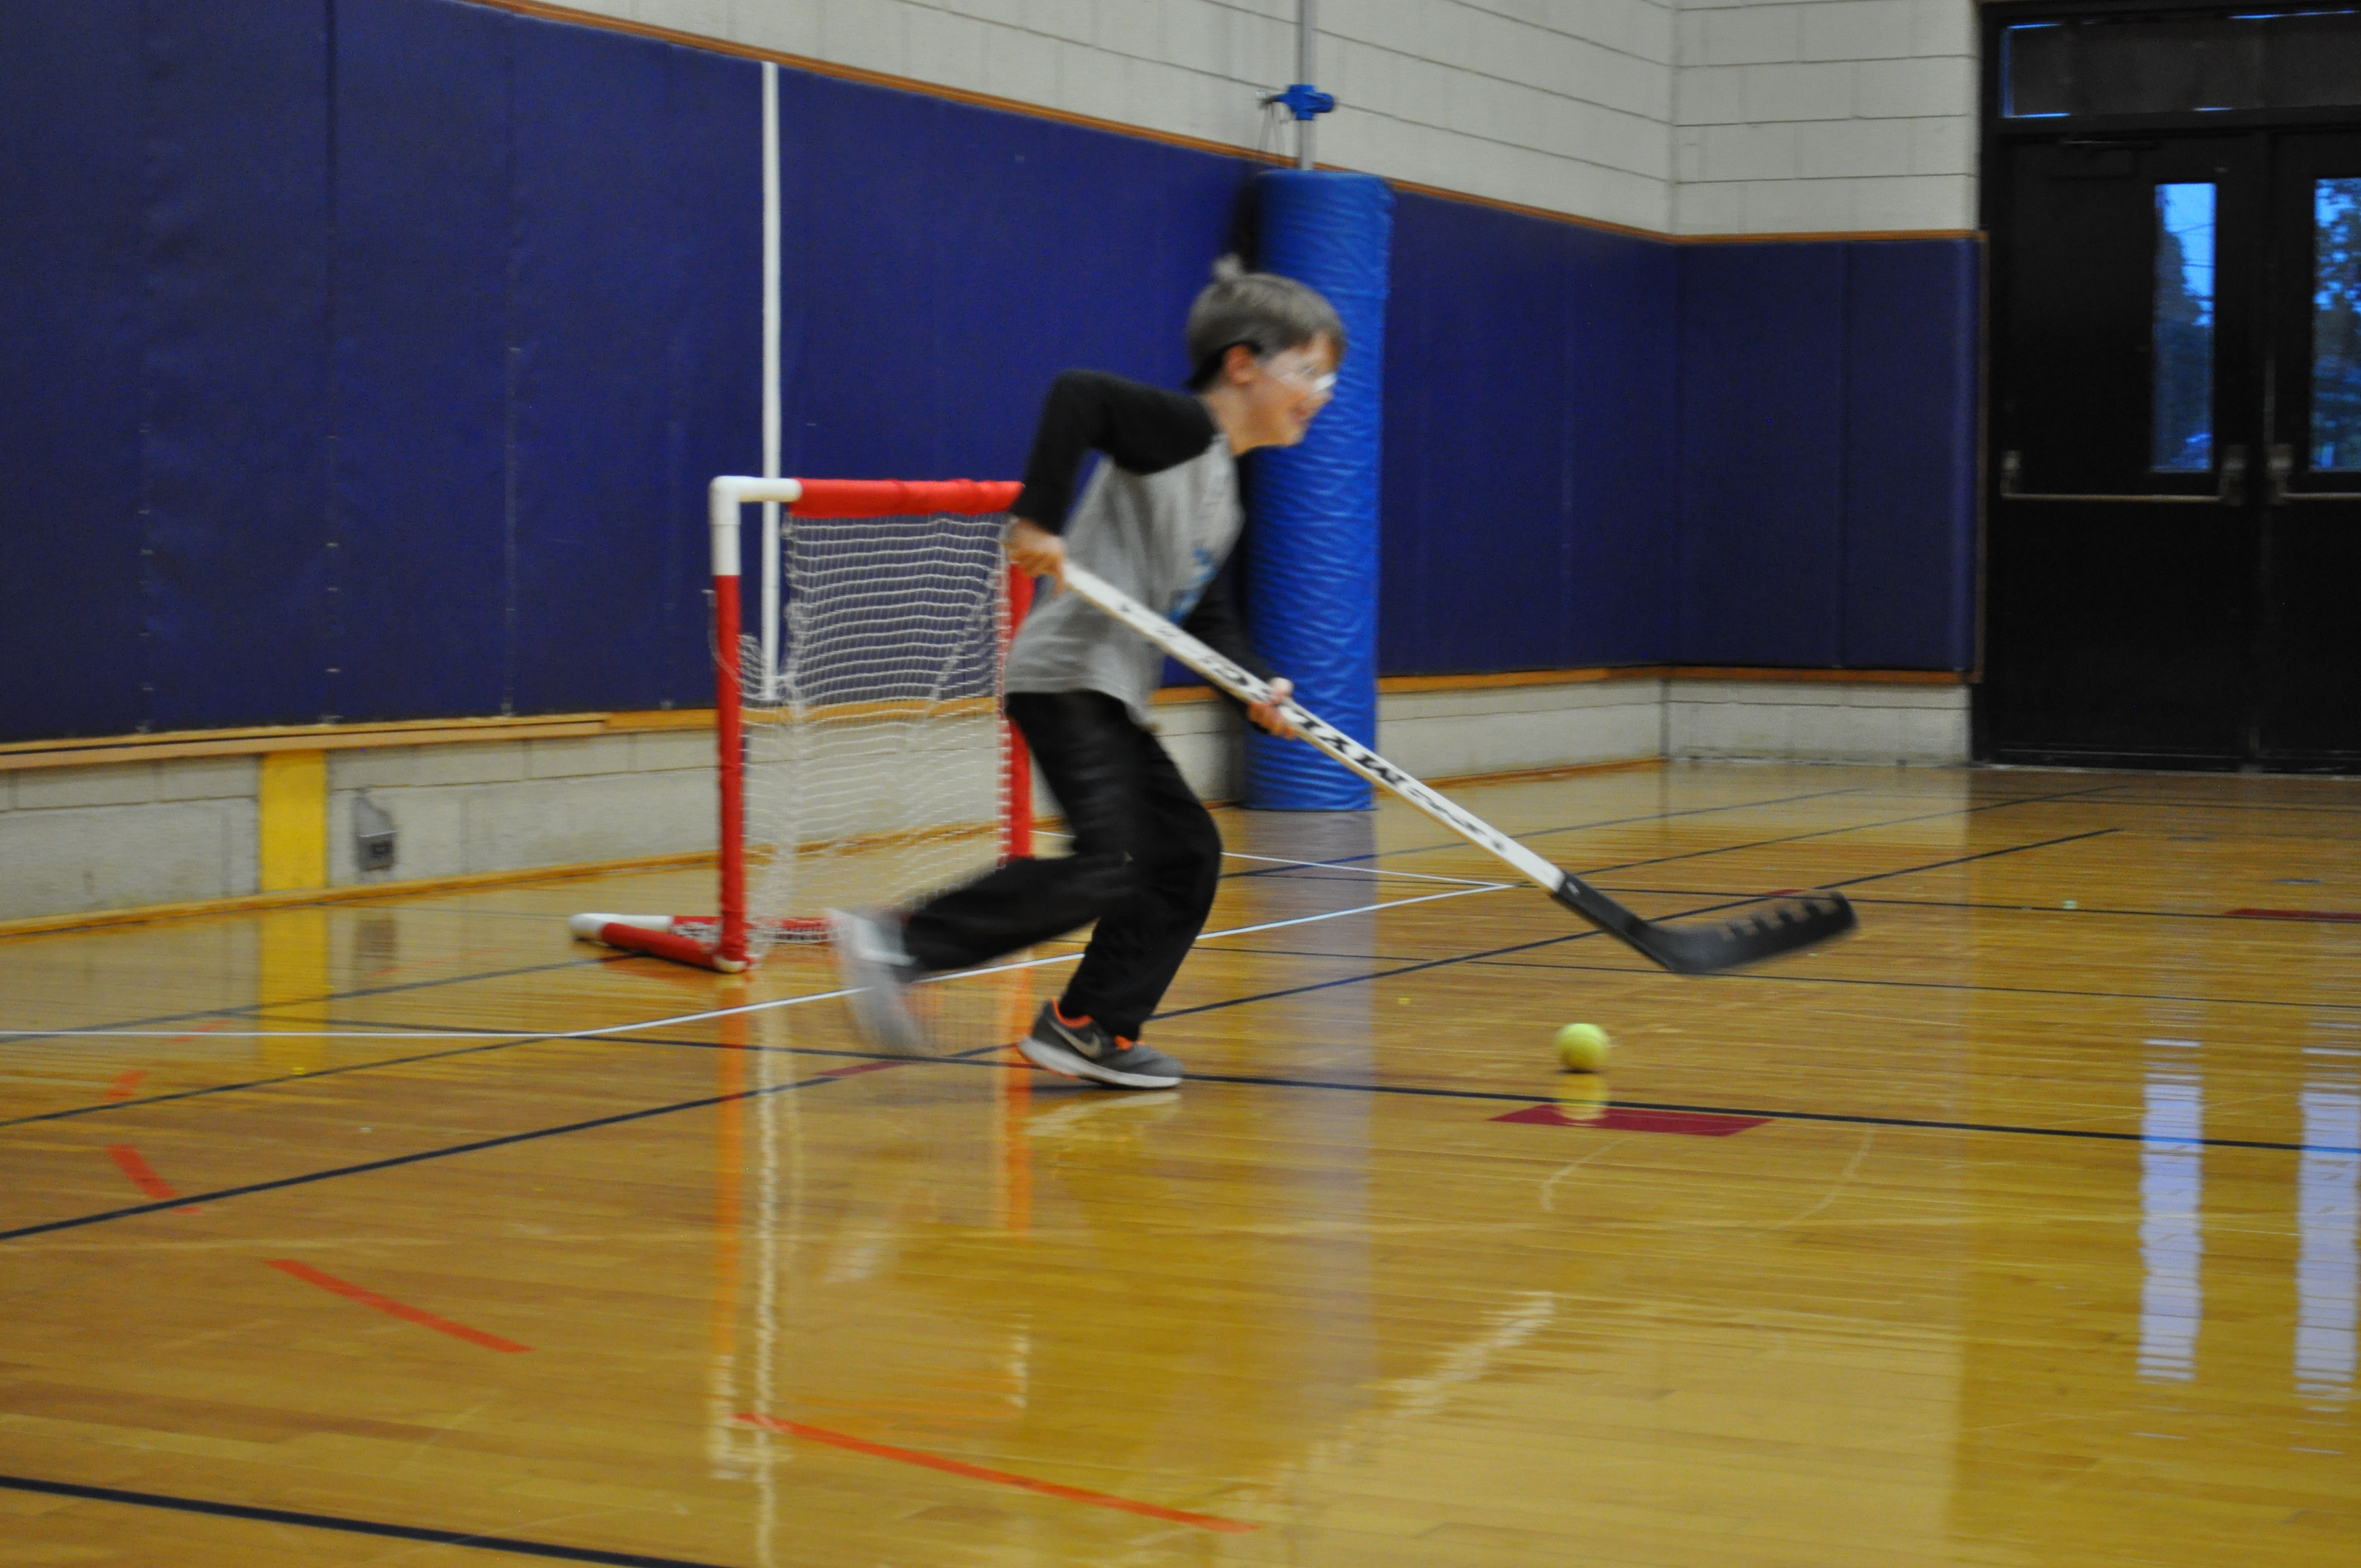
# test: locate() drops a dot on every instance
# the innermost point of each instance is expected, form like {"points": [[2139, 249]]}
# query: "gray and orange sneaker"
{"points": [[1078, 1047]]}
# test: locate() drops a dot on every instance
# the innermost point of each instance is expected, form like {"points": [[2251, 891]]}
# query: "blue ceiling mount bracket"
{"points": [[1303, 100]]}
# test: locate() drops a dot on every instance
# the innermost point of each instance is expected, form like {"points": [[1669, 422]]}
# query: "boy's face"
{"points": [[1284, 389]]}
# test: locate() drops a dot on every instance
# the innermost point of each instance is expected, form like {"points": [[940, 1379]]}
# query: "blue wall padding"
{"points": [[422, 254], [1762, 537], [1531, 481], [72, 345], [638, 301], [944, 262], [1312, 561], [368, 359], [1828, 439], [1911, 350], [440, 318], [238, 387]]}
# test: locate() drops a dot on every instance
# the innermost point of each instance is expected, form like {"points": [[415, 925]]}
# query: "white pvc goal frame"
{"points": [[733, 940]]}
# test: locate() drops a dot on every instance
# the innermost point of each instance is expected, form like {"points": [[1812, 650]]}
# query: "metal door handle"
{"points": [[2282, 466], [2231, 492]]}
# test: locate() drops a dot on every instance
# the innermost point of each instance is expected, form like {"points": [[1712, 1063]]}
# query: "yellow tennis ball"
{"points": [[1583, 1048]]}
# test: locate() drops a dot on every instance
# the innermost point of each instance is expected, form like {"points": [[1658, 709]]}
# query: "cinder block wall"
{"points": [[499, 806], [1567, 106], [1830, 117], [80, 839], [129, 834], [1833, 721], [1691, 117]]}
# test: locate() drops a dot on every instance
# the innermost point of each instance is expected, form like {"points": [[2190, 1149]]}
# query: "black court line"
{"points": [[1760, 843], [1782, 978], [1959, 985], [393, 1162], [103, 1106], [976, 1058], [1918, 1123], [344, 1525], [1592, 872], [252, 1009], [132, 1211], [1981, 855], [1992, 905], [1407, 967], [1570, 937], [2230, 806], [1859, 827], [1570, 827]]}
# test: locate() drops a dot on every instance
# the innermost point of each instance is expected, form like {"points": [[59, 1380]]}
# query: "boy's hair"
{"points": [[1267, 313]]}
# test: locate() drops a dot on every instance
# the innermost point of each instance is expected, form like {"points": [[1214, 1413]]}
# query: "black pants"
{"points": [[1147, 860]]}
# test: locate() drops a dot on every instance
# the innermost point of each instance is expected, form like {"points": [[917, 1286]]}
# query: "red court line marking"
{"points": [[200, 1029], [391, 1307], [2342, 914], [143, 1176], [857, 1067], [1619, 1119], [1003, 1478], [126, 1084]]}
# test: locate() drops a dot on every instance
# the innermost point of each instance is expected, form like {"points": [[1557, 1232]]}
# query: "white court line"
{"points": [[277, 1034], [676, 1021], [1365, 871], [1329, 866]]}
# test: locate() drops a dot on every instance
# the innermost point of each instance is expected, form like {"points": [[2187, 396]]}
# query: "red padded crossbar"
{"points": [[903, 498]]}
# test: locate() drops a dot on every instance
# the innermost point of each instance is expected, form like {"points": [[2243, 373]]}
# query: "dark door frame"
{"points": [[1995, 134]]}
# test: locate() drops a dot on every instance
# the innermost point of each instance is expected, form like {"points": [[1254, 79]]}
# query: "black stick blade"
{"points": [[1788, 925]]}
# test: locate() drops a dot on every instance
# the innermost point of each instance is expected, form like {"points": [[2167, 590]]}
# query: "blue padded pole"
{"points": [[1312, 561]]}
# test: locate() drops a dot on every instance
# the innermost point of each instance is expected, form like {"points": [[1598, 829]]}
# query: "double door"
{"points": [[2173, 550]]}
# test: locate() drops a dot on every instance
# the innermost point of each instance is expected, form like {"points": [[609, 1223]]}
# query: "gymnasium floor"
{"points": [[2019, 1230]]}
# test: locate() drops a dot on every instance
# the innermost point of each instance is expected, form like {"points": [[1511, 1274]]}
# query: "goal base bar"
{"points": [[691, 939]]}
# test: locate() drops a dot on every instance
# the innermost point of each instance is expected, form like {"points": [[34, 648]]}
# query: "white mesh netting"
{"points": [[873, 759]]}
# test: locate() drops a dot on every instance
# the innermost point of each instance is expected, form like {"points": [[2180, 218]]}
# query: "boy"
{"points": [[1158, 520]]}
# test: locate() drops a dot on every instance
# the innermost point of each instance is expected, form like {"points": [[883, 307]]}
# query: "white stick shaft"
{"points": [[1103, 595]]}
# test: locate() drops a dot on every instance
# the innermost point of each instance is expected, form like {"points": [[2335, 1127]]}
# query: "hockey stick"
{"points": [[1783, 927]]}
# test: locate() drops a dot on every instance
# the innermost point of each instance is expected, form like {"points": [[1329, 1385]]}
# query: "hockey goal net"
{"points": [[863, 759]]}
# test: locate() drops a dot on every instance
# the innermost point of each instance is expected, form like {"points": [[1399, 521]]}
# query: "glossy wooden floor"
{"points": [[2020, 1230]]}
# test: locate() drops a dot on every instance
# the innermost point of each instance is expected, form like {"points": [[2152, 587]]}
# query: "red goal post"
{"points": [[729, 940]]}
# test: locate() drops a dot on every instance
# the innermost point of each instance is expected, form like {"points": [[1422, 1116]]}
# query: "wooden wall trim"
{"points": [[261, 741], [1827, 237], [875, 78], [1861, 677], [1391, 684]]}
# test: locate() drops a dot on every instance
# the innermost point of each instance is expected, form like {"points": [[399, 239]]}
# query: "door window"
{"points": [[2336, 325], [2183, 329], [2298, 60]]}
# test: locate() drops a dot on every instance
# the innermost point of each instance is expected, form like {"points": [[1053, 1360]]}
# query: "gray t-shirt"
{"points": [[1157, 519], [1159, 537]]}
